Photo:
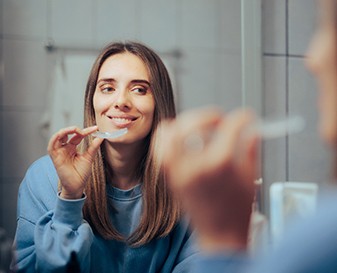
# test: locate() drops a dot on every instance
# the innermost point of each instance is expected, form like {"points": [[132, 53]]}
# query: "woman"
{"points": [[107, 203], [215, 176]]}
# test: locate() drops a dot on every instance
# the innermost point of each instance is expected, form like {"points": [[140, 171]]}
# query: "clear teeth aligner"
{"points": [[111, 135]]}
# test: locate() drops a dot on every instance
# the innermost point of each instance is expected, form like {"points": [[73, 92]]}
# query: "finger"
{"points": [[93, 148], [250, 165], [253, 155], [188, 134], [171, 157], [176, 157], [79, 135], [228, 139], [198, 120], [60, 138], [90, 130]]}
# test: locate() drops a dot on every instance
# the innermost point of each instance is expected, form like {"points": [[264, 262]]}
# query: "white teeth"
{"points": [[122, 120]]}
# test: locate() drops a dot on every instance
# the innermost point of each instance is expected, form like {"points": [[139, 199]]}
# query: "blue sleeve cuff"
{"points": [[69, 212]]}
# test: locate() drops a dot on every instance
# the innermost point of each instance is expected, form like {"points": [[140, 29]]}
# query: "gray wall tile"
{"points": [[25, 18], [308, 158], [228, 78], [163, 21], [72, 22], [117, 20], [198, 80], [25, 79], [274, 26], [22, 141], [199, 23], [302, 19], [274, 86], [229, 26]]}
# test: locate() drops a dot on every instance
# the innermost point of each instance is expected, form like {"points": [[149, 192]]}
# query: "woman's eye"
{"points": [[107, 89], [140, 90]]}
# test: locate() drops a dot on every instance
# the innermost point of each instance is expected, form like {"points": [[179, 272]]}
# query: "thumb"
{"points": [[93, 148]]}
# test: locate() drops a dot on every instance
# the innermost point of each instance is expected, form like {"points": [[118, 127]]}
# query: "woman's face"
{"points": [[123, 97], [322, 61]]}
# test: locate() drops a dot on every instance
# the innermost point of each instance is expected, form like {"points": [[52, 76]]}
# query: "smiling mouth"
{"points": [[122, 120]]}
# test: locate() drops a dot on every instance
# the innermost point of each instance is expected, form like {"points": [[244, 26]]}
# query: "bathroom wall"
{"points": [[289, 89], [207, 33]]}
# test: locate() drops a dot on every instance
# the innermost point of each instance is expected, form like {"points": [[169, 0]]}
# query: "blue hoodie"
{"points": [[50, 228]]}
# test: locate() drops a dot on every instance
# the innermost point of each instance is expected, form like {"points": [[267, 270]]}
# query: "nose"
{"points": [[122, 100]]}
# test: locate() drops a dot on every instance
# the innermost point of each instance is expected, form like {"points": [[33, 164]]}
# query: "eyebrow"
{"points": [[133, 81]]}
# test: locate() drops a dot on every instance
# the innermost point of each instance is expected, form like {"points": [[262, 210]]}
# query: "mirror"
{"points": [[212, 49]]}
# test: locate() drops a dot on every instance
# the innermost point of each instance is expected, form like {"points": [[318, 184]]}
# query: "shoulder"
{"points": [[44, 162], [40, 179], [38, 190]]}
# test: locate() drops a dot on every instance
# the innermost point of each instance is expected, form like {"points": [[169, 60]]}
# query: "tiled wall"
{"points": [[206, 32], [289, 89]]}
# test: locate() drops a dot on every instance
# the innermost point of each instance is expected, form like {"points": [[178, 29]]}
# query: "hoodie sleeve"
{"points": [[49, 228]]}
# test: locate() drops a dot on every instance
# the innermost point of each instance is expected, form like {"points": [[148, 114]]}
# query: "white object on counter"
{"points": [[290, 201]]}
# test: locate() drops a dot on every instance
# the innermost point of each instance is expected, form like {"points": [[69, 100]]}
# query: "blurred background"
{"points": [[48, 46]]}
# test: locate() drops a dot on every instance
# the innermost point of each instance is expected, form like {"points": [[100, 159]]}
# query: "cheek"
{"points": [[94, 102], [148, 109], [146, 106], [98, 103]]}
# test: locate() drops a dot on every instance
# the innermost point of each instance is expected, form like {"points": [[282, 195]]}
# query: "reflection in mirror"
{"points": [[47, 51]]}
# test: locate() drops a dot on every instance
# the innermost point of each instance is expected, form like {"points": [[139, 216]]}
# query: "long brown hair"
{"points": [[160, 211]]}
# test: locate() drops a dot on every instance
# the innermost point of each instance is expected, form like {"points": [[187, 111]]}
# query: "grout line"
{"points": [[284, 55]]}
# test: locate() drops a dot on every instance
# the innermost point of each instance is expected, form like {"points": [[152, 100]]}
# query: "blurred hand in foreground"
{"points": [[211, 160]]}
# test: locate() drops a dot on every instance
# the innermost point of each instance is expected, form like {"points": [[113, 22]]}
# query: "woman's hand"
{"points": [[72, 167], [212, 161]]}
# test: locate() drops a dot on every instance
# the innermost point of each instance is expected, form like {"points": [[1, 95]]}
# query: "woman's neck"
{"points": [[124, 162]]}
